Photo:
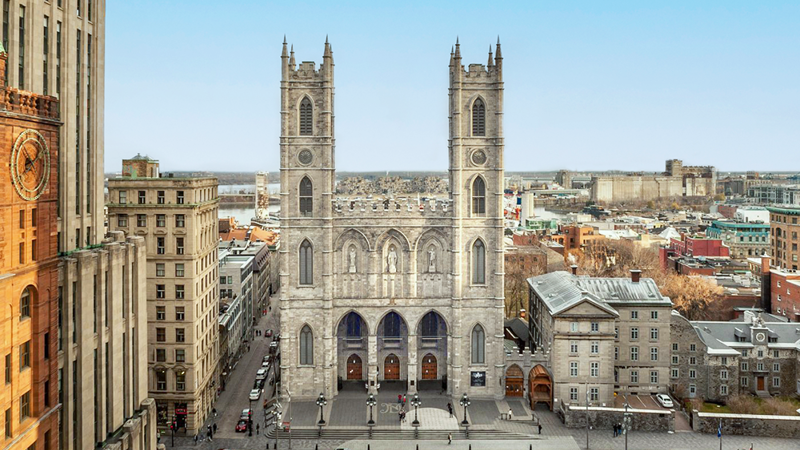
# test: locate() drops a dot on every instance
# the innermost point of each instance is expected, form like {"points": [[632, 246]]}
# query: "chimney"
{"points": [[764, 264], [636, 274], [574, 269], [766, 284]]}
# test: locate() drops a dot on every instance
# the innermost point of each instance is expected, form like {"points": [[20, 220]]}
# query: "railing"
{"points": [[392, 207], [25, 102]]}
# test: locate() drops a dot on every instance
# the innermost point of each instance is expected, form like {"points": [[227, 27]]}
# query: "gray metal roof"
{"points": [[623, 290], [559, 292], [787, 334]]}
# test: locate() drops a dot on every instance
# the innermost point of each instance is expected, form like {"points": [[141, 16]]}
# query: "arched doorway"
{"points": [[429, 367], [515, 381], [540, 387], [391, 367], [354, 367]]}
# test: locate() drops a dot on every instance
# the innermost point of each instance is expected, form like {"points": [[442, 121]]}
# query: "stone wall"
{"points": [[747, 424], [643, 419]]}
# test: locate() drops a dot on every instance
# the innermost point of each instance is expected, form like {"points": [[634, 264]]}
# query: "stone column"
{"points": [[411, 371], [372, 361]]}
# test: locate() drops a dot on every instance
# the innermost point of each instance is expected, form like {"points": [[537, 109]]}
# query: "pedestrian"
{"points": [[214, 428], [214, 410], [450, 408], [449, 438], [399, 398], [258, 428], [540, 428], [510, 414], [404, 400], [195, 438]]}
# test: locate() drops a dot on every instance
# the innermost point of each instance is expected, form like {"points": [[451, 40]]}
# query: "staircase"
{"points": [[433, 435], [763, 394]]}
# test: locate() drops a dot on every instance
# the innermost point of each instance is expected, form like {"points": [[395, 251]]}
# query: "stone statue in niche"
{"points": [[392, 260], [352, 260], [431, 259]]}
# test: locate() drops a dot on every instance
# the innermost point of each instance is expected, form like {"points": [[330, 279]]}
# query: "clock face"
{"points": [[760, 336], [479, 158], [30, 165], [305, 157]]}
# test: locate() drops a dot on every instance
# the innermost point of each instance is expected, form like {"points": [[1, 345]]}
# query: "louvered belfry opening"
{"points": [[306, 117], [478, 118]]}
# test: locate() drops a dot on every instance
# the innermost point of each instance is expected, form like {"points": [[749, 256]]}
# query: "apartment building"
{"points": [[177, 217], [57, 48], [607, 335], [784, 231], [744, 239]]}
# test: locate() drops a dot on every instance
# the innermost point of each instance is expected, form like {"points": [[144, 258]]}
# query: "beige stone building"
{"points": [[177, 217], [677, 181], [392, 290], [604, 335], [102, 348], [57, 47]]}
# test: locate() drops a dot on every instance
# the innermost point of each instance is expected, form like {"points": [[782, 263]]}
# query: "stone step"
{"points": [[350, 434]]}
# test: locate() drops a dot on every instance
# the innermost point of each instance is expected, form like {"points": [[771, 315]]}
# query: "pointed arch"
{"points": [[478, 191], [306, 346], [306, 261], [306, 117], [352, 324], [478, 254], [478, 117], [306, 196], [478, 345], [432, 324]]}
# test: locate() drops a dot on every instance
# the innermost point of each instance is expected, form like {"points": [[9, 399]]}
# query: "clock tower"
{"points": [[29, 130]]}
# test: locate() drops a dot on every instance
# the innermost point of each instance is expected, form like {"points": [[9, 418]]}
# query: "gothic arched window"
{"points": [[478, 118], [391, 325], [306, 346], [353, 323], [430, 324], [306, 263], [306, 117], [306, 197], [478, 262], [25, 303], [478, 196], [478, 345]]}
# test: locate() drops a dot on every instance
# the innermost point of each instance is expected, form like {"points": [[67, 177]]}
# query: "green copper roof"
{"points": [[791, 210]]}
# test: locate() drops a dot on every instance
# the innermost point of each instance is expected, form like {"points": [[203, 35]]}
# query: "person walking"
{"points": [[399, 398], [449, 438], [258, 428], [214, 427], [540, 428], [404, 401], [450, 408]]}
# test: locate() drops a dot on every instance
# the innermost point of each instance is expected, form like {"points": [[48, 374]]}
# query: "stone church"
{"points": [[397, 290]]}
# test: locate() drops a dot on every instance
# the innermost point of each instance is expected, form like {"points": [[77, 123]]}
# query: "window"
{"points": [[744, 381], [478, 345], [161, 291], [21, 78], [692, 374], [761, 353], [141, 220], [25, 303], [594, 369], [306, 346], [478, 262], [573, 394], [161, 220], [634, 353], [46, 390], [306, 117], [180, 335], [179, 197], [675, 359], [692, 347], [653, 315], [653, 353], [24, 406], [142, 197], [634, 315], [478, 196], [24, 356], [159, 269], [653, 377], [33, 250], [776, 367], [161, 313], [616, 332], [776, 381], [616, 353], [478, 118], [180, 355], [595, 327], [595, 348], [47, 345], [723, 389], [22, 253], [760, 367], [573, 347], [179, 292], [675, 373], [180, 380], [161, 379], [776, 354], [634, 333], [634, 376], [724, 360], [306, 263], [123, 197], [745, 367], [653, 334], [693, 360], [8, 423], [180, 314], [723, 374], [122, 220], [8, 368], [179, 270], [573, 327], [160, 197], [573, 368], [161, 355], [160, 246], [594, 394], [179, 246], [180, 220], [306, 197]]}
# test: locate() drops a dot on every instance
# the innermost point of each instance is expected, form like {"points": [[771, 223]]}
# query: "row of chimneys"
{"points": [[636, 274]]}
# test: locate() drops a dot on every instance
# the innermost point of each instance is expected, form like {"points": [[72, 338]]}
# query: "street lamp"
{"points": [[371, 402], [321, 402], [415, 402], [465, 403]]}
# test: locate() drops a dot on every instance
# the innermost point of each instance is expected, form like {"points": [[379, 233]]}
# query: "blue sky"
{"points": [[588, 85]]}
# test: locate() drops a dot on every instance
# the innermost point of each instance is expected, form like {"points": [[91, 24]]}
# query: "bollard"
{"points": [[530, 447], [316, 447]]}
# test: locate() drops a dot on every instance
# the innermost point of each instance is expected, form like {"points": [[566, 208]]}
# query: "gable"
{"points": [[587, 307]]}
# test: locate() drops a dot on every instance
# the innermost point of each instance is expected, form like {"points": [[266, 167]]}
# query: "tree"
{"points": [[694, 297], [516, 286]]}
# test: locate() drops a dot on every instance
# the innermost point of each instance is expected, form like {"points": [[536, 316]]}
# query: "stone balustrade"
{"points": [[28, 103], [392, 207]]}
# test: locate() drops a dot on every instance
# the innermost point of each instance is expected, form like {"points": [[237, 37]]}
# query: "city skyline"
{"points": [[615, 86]]}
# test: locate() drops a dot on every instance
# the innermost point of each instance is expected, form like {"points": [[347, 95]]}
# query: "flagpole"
{"points": [[719, 433]]}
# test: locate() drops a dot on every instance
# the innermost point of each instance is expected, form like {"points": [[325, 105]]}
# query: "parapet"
{"points": [[28, 103], [389, 206]]}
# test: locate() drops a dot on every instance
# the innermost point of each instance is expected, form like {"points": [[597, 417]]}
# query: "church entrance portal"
{"points": [[515, 381], [391, 368], [540, 387], [354, 366], [393, 346], [429, 367], [432, 342]]}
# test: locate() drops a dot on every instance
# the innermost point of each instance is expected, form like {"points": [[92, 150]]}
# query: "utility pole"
{"points": [[626, 422], [587, 416]]}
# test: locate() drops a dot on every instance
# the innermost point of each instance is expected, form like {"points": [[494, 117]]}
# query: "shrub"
{"points": [[742, 404]]}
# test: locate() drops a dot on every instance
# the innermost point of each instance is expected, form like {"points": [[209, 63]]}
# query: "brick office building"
{"points": [[29, 140], [784, 240]]}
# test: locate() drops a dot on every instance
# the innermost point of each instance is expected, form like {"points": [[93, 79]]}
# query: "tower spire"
{"points": [[451, 55], [291, 57], [458, 50], [284, 53], [491, 63]]}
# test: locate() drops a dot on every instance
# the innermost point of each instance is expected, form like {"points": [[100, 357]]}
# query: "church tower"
{"points": [[307, 183], [476, 188]]}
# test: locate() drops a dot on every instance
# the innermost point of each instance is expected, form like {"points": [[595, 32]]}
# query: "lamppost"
{"points": [[626, 422], [465, 403], [250, 420], [371, 402], [415, 402], [321, 402]]}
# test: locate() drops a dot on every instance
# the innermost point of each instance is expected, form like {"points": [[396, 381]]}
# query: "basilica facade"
{"points": [[392, 290]]}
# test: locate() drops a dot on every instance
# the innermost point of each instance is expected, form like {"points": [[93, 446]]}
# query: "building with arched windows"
{"points": [[392, 290]]}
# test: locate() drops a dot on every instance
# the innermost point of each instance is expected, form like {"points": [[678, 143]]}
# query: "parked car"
{"points": [[267, 358], [265, 365], [255, 394], [261, 374], [268, 333], [246, 413], [664, 400], [241, 426]]}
